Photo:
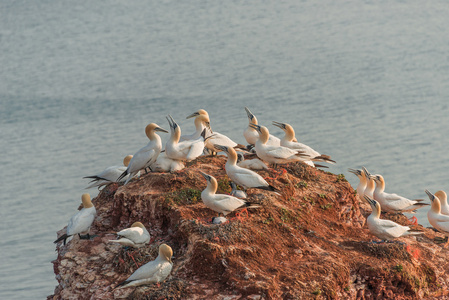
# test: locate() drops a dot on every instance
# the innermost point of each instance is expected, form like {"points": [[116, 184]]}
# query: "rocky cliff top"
{"points": [[308, 242]]}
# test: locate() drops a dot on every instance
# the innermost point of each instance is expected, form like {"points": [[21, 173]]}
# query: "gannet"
{"points": [[165, 164], [186, 150], [109, 174], [436, 219], [362, 184], [221, 203], [371, 185], [146, 156], [253, 164], [212, 137], [200, 125], [393, 202], [136, 236], [241, 176], [385, 229], [251, 135], [442, 196], [81, 221], [276, 154], [152, 272], [236, 192], [287, 141]]}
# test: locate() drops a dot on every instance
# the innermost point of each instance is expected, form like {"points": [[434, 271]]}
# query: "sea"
{"points": [[366, 82]]}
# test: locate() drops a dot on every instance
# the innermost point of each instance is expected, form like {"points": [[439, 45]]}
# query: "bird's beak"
{"points": [[356, 172], [367, 174], [172, 122], [431, 196], [279, 124], [254, 126], [248, 112], [369, 200], [207, 177], [193, 115], [160, 129]]}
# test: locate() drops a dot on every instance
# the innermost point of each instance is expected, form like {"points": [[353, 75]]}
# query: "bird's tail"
{"points": [[62, 237], [122, 175], [324, 158]]}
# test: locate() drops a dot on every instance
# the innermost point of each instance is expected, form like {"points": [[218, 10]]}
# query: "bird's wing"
{"points": [[249, 178], [220, 139], [227, 202], [81, 221], [146, 271], [279, 152], [134, 234], [195, 150]]}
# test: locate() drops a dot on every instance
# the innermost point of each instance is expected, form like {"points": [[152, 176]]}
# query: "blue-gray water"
{"points": [[366, 82]]}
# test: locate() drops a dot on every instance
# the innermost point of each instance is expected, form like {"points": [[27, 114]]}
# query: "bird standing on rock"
{"points": [[136, 236], [81, 221], [186, 150], [393, 202], [241, 176], [289, 141], [152, 272], [146, 156], [436, 219], [385, 229], [109, 174], [221, 203]]}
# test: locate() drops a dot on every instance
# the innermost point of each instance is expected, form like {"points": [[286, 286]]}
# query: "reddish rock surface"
{"points": [[310, 242]]}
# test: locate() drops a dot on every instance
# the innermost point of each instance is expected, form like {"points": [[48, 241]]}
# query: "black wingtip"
{"points": [[122, 175], [268, 188], [62, 237]]}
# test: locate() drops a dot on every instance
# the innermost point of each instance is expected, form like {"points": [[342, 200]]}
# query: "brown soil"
{"points": [[310, 242]]}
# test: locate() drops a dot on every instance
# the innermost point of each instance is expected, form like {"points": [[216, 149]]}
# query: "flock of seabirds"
{"points": [[270, 150]]}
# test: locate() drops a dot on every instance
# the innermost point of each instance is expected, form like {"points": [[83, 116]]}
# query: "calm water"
{"points": [[367, 83]]}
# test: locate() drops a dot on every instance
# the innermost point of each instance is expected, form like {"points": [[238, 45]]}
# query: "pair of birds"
{"points": [[373, 186]]}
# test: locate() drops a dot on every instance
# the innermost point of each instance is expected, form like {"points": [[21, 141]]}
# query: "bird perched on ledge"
{"points": [[221, 203], [241, 176], [136, 236], [152, 272], [385, 229], [147, 155], [81, 221]]}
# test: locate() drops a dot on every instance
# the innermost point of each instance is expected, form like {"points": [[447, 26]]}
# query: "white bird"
{"points": [[442, 196], [136, 236], [253, 164], [146, 156], [393, 202], [110, 174], [200, 125], [251, 135], [220, 203], [81, 221], [288, 141], [186, 150], [236, 192], [275, 154], [385, 229], [212, 137], [436, 219], [152, 272], [371, 185], [241, 176], [362, 184], [165, 164]]}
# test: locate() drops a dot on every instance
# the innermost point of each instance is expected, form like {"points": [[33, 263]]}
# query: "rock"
{"points": [[309, 242]]}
